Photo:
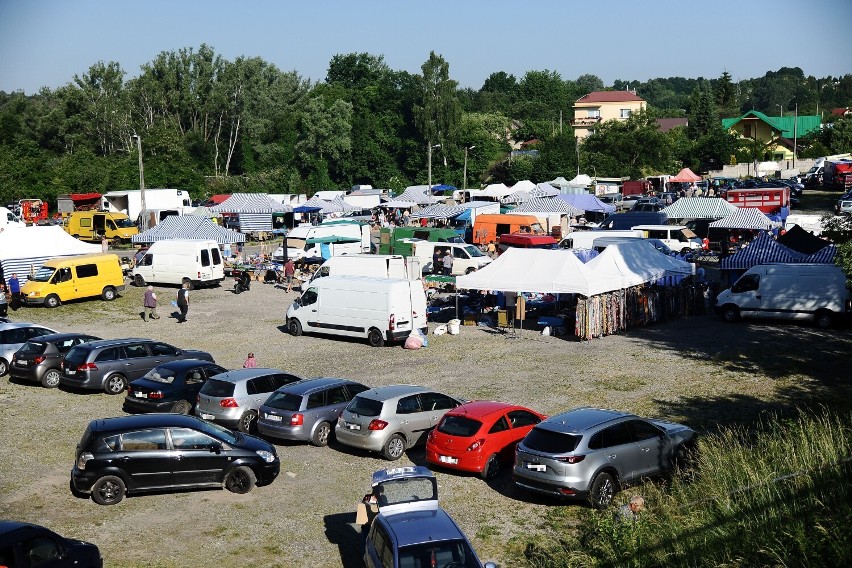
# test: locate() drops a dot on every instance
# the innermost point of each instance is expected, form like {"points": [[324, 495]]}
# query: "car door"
{"points": [[615, 446], [413, 422], [653, 447], [746, 293], [435, 405], [138, 360], [520, 423], [199, 459], [145, 457], [41, 551]]}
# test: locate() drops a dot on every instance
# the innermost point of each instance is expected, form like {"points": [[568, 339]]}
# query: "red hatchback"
{"points": [[479, 436]]}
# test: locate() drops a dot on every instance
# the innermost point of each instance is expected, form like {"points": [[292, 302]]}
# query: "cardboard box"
{"points": [[364, 513]]}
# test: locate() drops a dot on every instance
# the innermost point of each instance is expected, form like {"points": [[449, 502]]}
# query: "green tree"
{"points": [[725, 93], [438, 112], [325, 138], [633, 148]]}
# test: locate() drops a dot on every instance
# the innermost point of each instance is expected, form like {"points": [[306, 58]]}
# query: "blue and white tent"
{"points": [[745, 218], [547, 205], [439, 211], [765, 249], [699, 208], [189, 227], [254, 210], [24, 249]]}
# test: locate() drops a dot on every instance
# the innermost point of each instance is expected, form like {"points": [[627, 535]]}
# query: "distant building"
{"points": [[777, 132], [666, 124], [600, 106], [842, 112]]}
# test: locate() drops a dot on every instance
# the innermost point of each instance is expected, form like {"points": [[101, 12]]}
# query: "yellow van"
{"points": [[92, 225], [74, 277]]}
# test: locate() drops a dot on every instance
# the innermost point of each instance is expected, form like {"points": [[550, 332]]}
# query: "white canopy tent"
{"points": [[25, 249], [623, 265], [530, 270]]}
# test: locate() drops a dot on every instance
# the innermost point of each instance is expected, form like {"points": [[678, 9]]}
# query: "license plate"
{"points": [[354, 426], [207, 416], [273, 418], [22, 362], [448, 459], [140, 395], [536, 466], [70, 372]]}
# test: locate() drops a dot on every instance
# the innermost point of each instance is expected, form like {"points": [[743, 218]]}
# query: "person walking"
{"points": [[183, 302], [289, 272], [104, 244], [15, 291], [4, 303], [149, 303], [250, 362]]}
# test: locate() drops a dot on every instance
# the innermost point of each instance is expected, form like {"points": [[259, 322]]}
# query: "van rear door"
{"points": [[418, 304]]}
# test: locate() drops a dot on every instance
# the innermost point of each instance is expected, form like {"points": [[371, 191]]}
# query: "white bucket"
{"points": [[453, 326]]}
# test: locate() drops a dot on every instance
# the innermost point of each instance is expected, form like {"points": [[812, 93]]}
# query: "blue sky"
{"points": [[47, 42]]}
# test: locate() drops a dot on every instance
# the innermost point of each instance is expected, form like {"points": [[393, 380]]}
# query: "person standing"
{"points": [[289, 272], [104, 244], [448, 262], [149, 302], [15, 291], [183, 302], [250, 362]]}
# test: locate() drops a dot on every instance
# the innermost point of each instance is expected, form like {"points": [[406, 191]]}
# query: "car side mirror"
{"points": [[490, 565], [216, 448], [297, 301]]}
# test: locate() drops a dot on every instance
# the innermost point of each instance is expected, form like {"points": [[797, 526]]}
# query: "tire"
{"points": [[182, 407], [294, 327], [492, 468], [4, 367], [602, 491], [730, 314], [240, 480], [321, 434], [394, 448], [108, 490], [51, 378], [685, 250], [76, 237], [375, 338], [115, 384], [52, 301], [237, 288], [139, 280], [469, 270], [248, 422], [823, 319], [188, 281], [108, 294]]}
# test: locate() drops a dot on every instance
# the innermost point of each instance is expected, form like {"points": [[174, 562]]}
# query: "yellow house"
{"points": [[599, 106], [774, 133]]}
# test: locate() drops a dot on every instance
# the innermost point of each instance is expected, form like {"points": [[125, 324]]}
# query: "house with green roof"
{"points": [[777, 132]]}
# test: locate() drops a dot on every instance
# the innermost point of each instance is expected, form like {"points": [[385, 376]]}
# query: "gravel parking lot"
{"points": [[697, 370]]}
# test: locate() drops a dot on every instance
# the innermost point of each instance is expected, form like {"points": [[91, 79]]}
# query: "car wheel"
{"points": [[4, 367], [237, 288], [685, 250], [394, 448], [108, 294], [730, 314], [188, 281], [247, 422], [108, 490], [492, 468], [823, 319], [375, 338], [115, 384], [51, 301], [139, 280], [681, 457], [469, 270], [240, 480], [51, 378], [321, 434], [182, 407], [295, 327], [603, 489]]}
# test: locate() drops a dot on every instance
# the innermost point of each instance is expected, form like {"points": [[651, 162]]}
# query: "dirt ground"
{"points": [[699, 371]]}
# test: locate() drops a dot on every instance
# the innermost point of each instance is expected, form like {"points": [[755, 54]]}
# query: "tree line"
{"points": [[211, 125]]}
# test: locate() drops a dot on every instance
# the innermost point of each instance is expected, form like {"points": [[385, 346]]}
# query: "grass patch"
{"points": [[621, 383]]}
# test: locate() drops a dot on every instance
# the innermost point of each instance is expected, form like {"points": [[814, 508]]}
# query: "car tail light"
{"points": [[129, 390], [431, 436], [392, 322], [476, 445], [377, 425], [297, 419], [571, 459], [156, 394], [82, 459], [566, 491], [87, 367], [39, 359], [229, 402]]}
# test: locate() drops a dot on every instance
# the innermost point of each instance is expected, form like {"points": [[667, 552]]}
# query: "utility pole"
{"points": [[141, 181], [464, 183], [795, 134]]}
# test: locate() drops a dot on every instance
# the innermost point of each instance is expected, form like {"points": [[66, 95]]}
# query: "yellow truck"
{"points": [[94, 225], [72, 278]]}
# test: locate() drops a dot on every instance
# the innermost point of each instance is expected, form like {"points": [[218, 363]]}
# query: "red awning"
{"points": [[85, 196], [685, 175]]}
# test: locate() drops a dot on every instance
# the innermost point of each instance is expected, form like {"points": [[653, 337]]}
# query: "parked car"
{"points": [[40, 359], [25, 544], [170, 387], [409, 528], [13, 336], [392, 419], [307, 410], [233, 399], [479, 436], [651, 204], [155, 452], [589, 453], [110, 364]]}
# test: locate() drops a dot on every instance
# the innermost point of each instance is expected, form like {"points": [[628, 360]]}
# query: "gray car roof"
{"points": [[307, 386], [581, 419], [392, 391], [238, 375]]}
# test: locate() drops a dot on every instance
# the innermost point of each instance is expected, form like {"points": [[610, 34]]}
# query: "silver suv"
{"points": [[392, 419], [233, 398], [589, 453]]}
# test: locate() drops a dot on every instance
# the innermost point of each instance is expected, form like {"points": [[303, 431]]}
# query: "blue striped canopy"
{"points": [[547, 205], [251, 203], [189, 227], [744, 218], [765, 249], [699, 208]]}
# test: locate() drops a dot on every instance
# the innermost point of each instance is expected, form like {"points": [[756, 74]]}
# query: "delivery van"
{"points": [[306, 240], [93, 225], [74, 277], [815, 292], [377, 309], [376, 265], [178, 261], [586, 239], [489, 227], [677, 237], [466, 258], [9, 219]]}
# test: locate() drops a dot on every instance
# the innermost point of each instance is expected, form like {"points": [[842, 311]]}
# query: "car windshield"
{"points": [[473, 251], [33, 348], [124, 223], [77, 356], [407, 490], [457, 239], [459, 426], [365, 406], [454, 553], [219, 432], [550, 442], [160, 375], [218, 389], [44, 274], [284, 401]]}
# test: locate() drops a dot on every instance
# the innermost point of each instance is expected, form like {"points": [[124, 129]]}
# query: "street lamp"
{"points": [[429, 152], [141, 181], [464, 183], [782, 110]]}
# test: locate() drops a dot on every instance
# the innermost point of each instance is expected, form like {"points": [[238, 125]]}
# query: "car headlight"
{"points": [[268, 457]]}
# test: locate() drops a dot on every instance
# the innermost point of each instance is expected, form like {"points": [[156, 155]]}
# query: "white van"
{"points": [[299, 247], [178, 261], [9, 219], [787, 291], [586, 239], [677, 237], [378, 309], [376, 265], [466, 258]]}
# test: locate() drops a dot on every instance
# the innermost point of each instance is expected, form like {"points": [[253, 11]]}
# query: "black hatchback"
{"points": [[171, 387], [25, 544], [157, 452]]}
